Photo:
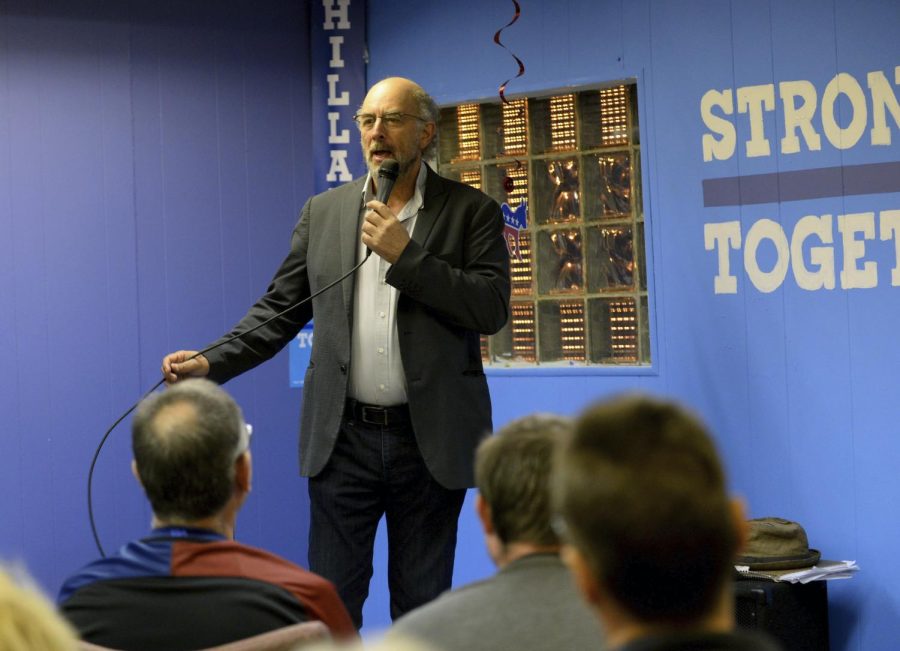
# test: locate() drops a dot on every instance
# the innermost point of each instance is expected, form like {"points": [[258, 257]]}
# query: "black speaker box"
{"points": [[794, 614]]}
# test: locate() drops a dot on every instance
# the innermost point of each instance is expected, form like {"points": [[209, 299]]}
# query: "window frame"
{"points": [[640, 214]]}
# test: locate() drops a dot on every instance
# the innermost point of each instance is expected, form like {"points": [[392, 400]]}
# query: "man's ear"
{"points": [[134, 471], [582, 574], [428, 134], [243, 472], [739, 521], [483, 509]]}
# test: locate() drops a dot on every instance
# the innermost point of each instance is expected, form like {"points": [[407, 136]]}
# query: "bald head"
{"points": [[410, 91], [185, 442], [400, 85]]}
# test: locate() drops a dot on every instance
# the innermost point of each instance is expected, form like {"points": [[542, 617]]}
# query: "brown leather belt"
{"points": [[376, 414]]}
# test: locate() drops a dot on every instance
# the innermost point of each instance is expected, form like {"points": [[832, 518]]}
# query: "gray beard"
{"points": [[403, 166]]}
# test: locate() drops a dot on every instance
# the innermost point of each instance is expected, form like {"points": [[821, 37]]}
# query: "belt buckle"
{"points": [[379, 415]]}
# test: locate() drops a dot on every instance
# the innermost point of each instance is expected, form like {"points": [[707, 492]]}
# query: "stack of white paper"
{"points": [[822, 571]]}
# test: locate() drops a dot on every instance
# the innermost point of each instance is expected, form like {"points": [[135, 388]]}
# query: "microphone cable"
{"points": [[157, 385]]}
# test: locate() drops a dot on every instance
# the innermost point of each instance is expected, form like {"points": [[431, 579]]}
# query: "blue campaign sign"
{"points": [[300, 350]]}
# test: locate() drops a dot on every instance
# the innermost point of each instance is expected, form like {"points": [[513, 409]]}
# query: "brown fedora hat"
{"points": [[777, 544]]}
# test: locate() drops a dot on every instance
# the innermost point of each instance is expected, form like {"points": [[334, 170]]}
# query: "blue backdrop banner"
{"points": [[300, 350], [338, 66], [338, 74]]}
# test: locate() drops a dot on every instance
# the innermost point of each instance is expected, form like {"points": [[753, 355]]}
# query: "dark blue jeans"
{"points": [[378, 470]]}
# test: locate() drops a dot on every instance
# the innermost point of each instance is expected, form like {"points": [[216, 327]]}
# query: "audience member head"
{"points": [[642, 500], [512, 473], [28, 622], [191, 452]]}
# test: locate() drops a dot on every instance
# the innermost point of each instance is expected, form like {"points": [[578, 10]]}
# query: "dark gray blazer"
{"points": [[453, 279]]}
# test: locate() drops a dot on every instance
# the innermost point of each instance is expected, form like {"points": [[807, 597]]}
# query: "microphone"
{"points": [[387, 175]]}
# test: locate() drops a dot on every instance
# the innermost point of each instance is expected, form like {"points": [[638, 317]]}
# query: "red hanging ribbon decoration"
{"points": [[508, 182], [502, 89]]}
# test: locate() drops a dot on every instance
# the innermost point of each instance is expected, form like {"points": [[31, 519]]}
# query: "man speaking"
{"points": [[395, 399]]}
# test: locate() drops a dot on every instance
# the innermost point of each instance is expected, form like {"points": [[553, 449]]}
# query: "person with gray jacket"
{"points": [[531, 603]]}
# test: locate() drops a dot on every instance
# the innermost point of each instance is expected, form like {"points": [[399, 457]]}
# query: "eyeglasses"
{"points": [[366, 121], [559, 527], [244, 443]]}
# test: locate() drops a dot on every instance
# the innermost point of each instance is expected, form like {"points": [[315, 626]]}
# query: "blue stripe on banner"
{"points": [[338, 37], [872, 178]]}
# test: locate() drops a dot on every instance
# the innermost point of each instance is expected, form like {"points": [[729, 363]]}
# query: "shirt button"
{"points": [[380, 350], [381, 314], [381, 387]]}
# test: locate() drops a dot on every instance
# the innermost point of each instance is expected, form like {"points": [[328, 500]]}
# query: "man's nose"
{"points": [[377, 128]]}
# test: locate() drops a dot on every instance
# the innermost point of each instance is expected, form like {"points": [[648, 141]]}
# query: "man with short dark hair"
{"points": [[531, 604], [652, 534], [188, 585]]}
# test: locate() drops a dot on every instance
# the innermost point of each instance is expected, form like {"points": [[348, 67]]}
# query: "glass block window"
{"points": [[566, 170]]}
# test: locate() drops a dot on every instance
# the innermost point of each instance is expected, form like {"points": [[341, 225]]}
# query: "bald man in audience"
{"points": [[188, 584]]}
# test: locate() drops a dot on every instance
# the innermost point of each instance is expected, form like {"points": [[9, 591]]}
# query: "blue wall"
{"points": [[153, 160], [797, 384]]}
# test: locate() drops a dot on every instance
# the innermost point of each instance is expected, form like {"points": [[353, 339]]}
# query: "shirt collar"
{"points": [[187, 533]]}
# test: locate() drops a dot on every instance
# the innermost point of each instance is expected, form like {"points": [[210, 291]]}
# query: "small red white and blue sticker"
{"points": [[515, 221]]}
